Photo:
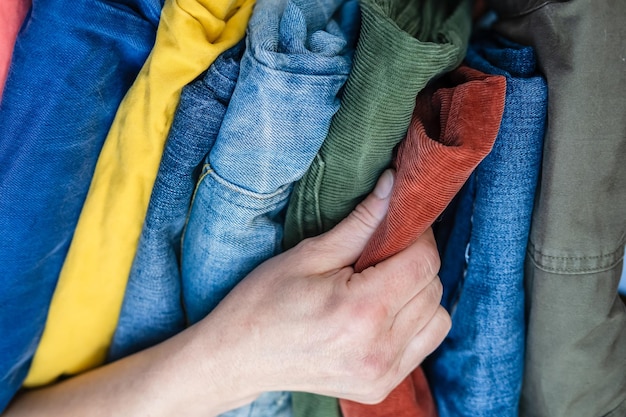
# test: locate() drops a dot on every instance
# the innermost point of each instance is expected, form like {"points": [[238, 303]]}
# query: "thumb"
{"points": [[344, 243]]}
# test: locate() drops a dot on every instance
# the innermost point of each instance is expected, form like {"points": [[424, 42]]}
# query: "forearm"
{"points": [[182, 376]]}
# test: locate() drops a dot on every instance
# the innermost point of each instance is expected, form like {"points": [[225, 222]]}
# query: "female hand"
{"points": [[302, 321]]}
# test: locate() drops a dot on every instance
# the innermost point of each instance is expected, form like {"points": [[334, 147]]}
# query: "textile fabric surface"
{"points": [[152, 310], [477, 371], [454, 125], [575, 361], [58, 104], [235, 222], [87, 301], [402, 45], [297, 59], [12, 14]]}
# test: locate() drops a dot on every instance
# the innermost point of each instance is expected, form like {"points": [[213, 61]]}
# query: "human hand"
{"points": [[305, 321], [302, 321]]}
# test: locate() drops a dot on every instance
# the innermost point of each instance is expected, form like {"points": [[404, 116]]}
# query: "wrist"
{"points": [[211, 372]]}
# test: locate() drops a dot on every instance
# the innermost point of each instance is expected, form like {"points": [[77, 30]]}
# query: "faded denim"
{"points": [[287, 93], [72, 64], [477, 371], [152, 309], [292, 72]]}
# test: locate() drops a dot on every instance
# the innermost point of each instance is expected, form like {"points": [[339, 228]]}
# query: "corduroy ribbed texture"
{"points": [[454, 126], [477, 370], [403, 45], [453, 129], [390, 68]]}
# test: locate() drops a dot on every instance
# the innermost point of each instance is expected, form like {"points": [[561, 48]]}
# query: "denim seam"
{"points": [[235, 188], [614, 258], [204, 173]]}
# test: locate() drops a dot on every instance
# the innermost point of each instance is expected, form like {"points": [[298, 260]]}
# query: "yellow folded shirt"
{"points": [[88, 297]]}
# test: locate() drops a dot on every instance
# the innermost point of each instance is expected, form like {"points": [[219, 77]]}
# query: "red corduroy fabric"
{"points": [[12, 13], [454, 126]]}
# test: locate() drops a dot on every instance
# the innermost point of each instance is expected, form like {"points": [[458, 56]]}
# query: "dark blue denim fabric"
{"points": [[477, 371], [291, 73], [152, 310], [453, 246], [72, 64]]}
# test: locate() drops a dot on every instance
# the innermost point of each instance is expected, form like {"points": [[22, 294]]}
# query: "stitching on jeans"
{"points": [[206, 168], [240, 190]]}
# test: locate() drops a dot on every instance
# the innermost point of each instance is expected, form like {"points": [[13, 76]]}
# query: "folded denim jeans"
{"points": [[477, 370], [286, 95], [292, 72], [87, 301], [72, 64], [152, 310]]}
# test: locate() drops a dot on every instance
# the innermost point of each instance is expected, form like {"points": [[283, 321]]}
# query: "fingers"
{"points": [[425, 341], [417, 313], [398, 279], [342, 245]]}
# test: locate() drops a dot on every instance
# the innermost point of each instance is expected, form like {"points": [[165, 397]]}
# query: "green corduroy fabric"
{"points": [[402, 46], [309, 405]]}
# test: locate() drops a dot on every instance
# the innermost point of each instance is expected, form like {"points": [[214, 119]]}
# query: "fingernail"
{"points": [[384, 185]]}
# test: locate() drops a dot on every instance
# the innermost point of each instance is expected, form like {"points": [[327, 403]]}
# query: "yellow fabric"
{"points": [[88, 298]]}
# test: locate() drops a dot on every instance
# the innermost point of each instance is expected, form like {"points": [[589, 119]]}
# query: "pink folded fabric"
{"points": [[12, 14]]}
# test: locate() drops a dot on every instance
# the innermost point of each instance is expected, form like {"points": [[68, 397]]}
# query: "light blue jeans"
{"points": [[287, 93], [297, 59], [152, 310], [477, 371], [72, 64]]}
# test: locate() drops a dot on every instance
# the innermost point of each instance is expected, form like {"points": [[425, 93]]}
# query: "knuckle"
{"points": [[373, 369], [435, 291], [377, 394], [306, 255], [375, 365], [430, 260], [440, 328], [306, 247], [364, 216], [445, 320], [369, 318]]}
